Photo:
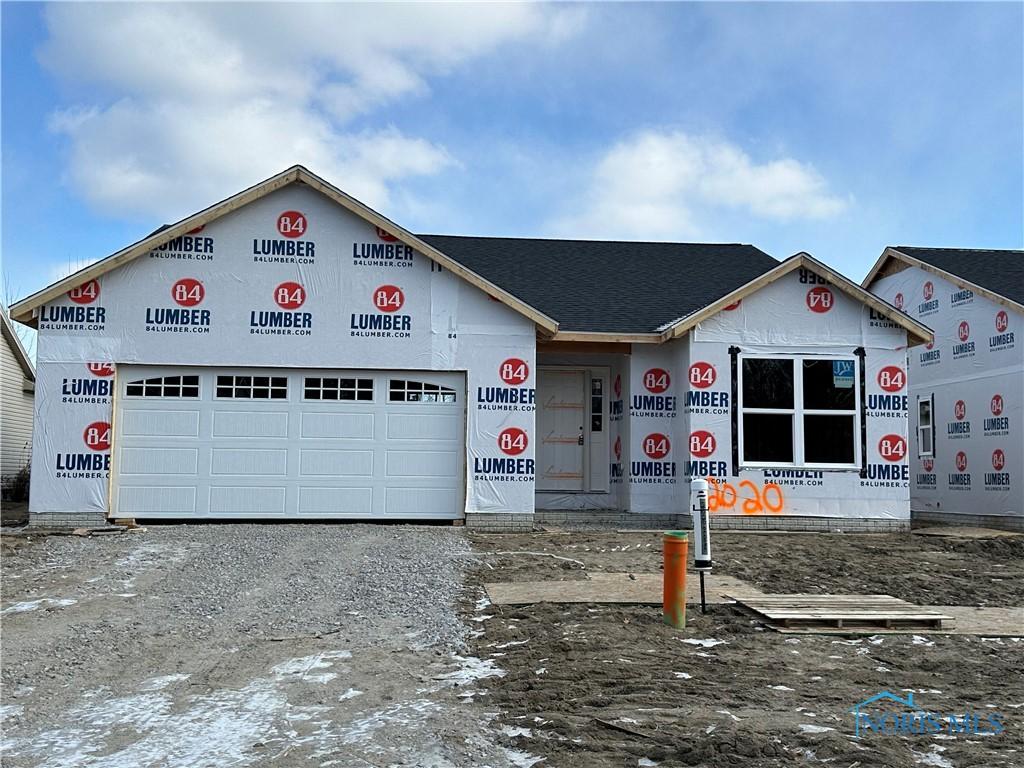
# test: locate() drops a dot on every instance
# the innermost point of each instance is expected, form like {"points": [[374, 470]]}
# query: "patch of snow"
{"points": [[708, 643], [32, 605], [471, 668], [812, 728], [510, 643], [351, 693], [521, 759], [515, 731], [159, 683], [643, 762], [304, 667], [10, 710], [540, 671], [918, 640], [933, 758], [682, 675], [727, 712], [780, 687]]}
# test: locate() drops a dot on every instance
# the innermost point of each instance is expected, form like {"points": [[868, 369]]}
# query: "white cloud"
{"points": [[194, 101], [663, 185]]}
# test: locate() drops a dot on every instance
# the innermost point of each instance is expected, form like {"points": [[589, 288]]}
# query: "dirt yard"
{"points": [[610, 685], [352, 645]]}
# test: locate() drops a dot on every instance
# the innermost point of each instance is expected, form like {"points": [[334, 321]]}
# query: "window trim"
{"points": [[151, 381], [443, 390], [930, 399], [798, 412], [235, 387], [358, 388]]}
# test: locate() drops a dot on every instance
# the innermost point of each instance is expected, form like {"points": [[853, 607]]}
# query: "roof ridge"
{"points": [[579, 240], [948, 248]]}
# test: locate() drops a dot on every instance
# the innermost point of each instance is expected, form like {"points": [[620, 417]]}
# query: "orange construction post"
{"points": [[673, 599]]}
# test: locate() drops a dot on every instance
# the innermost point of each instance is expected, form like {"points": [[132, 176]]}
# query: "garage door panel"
{"points": [[160, 423], [249, 461], [423, 426], [245, 500], [352, 426], [332, 501], [321, 451], [412, 502], [159, 500], [422, 464], [160, 461], [249, 424], [340, 463]]}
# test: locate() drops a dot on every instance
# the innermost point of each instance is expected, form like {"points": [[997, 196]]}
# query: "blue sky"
{"points": [[832, 128]]}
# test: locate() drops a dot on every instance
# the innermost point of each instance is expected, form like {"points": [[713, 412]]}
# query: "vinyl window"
{"points": [[925, 427], [164, 386], [252, 387], [799, 411], [408, 391]]}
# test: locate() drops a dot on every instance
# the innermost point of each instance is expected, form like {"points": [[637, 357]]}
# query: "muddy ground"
{"points": [[610, 685]]}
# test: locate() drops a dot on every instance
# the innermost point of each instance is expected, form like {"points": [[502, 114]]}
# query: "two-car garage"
{"points": [[257, 442]]}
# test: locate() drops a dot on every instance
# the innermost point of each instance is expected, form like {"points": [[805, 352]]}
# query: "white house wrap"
{"points": [[289, 353]]}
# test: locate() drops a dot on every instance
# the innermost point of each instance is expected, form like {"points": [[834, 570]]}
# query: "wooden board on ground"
{"points": [[964, 532], [843, 612], [605, 587], [987, 622]]}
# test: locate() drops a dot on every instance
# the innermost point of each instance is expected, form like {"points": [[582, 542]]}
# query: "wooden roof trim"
{"points": [[11, 335], [919, 333], [24, 310], [959, 282], [606, 337]]}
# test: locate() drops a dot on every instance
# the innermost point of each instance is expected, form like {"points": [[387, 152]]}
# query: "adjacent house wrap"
{"points": [[967, 389], [290, 353]]}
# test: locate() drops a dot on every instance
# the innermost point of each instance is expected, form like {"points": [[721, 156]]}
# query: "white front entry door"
{"points": [[561, 430], [288, 443]]}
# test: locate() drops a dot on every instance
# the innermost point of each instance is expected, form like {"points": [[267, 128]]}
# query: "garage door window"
{"points": [[252, 387], [164, 386], [318, 388], [407, 391]]}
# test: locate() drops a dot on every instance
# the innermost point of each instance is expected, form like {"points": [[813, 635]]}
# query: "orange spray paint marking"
{"points": [[673, 600], [722, 496]]}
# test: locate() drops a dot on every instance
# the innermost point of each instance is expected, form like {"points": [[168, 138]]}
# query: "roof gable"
{"points": [[995, 274], [917, 332], [23, 311]]}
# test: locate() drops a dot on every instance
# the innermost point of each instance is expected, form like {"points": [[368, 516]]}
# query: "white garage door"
{"points": [[246, 442]]}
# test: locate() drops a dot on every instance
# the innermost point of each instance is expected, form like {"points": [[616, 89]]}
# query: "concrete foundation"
{"points": [[1001, 522]]}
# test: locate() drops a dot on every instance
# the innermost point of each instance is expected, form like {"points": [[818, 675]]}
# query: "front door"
{"points": [[561, 418]]}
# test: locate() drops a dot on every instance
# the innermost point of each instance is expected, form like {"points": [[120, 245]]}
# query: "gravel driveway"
{"points": [[239, 645]]}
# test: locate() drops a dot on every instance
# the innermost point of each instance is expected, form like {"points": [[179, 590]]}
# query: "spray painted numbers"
{"points": [[751, 499]]}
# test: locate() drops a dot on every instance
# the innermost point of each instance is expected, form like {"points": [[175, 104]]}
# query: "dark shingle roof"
{"points": [[622, 287], [1001, 272]]}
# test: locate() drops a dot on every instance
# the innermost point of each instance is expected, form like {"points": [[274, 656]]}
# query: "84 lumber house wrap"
{"points": [[290, 353]]}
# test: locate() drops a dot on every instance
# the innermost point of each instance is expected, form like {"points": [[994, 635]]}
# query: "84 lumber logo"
{"points": [[287, 321], [512, 442], [88, 464], [514, 372]]}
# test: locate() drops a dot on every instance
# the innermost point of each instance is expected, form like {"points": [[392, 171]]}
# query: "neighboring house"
{"points": [[967, 389], [16, 395], [290, 353]]}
